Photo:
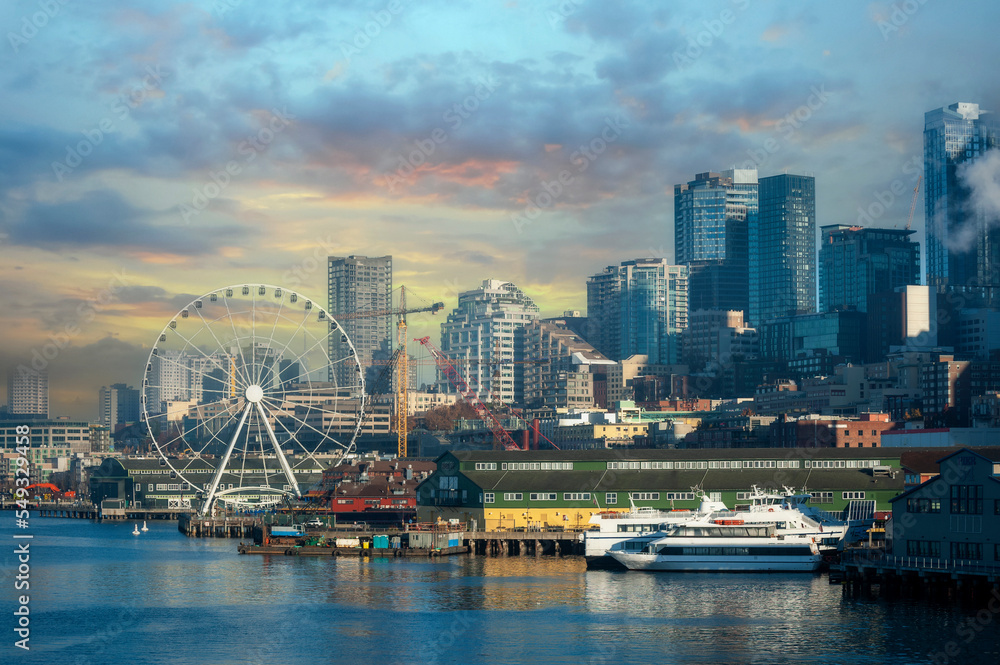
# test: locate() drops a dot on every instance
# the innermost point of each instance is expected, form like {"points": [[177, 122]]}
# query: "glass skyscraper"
{"points": [[857, 262], [782, 239], [639, 307], [963, 246], [711, 218]]}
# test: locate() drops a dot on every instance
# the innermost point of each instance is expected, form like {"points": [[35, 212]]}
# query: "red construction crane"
{"points": [[461, 385]]}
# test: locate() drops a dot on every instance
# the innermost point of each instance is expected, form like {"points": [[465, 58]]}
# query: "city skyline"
{"points": [[181, 151]]}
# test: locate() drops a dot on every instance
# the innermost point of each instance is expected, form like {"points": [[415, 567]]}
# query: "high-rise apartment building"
{"points": [[179, 376], [963, 242], [28, 392], [360, 284], [639, 308], [561, 370], [712, 214], [714, 337], [480, 335], [857, 262], [782, 240], [904, 319], [119, 404]]}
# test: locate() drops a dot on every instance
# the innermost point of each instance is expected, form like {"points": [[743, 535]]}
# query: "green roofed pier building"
{"points": [[563, 489]]}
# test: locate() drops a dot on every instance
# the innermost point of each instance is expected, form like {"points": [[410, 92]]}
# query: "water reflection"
{"points": [[103, 595]]}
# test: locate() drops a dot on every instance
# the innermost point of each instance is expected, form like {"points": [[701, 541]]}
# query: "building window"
{"points": [[513, 496], [543, 496], [645, 496], [486, 466], [853, 495], [972, 551], [576, 496], [611, 498], [967, 499], [821, 497], [488, 497], [929, 548], [923, 505]]}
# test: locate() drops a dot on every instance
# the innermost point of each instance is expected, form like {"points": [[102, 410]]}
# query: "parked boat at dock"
{"points": [[634, 529], [788, 511], [710, 547]]}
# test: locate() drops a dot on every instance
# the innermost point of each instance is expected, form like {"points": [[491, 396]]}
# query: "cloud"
{"points": [[103, 219], [981, 208]]}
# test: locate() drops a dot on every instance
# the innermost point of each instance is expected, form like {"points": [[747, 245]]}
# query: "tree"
{"points": [[442, 418]]}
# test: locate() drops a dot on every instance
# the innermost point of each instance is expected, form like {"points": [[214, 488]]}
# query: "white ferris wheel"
{"points": [[249, 393]]}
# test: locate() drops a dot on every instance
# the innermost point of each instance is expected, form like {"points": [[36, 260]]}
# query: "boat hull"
{"points": [[603, 562], [692, 563]]}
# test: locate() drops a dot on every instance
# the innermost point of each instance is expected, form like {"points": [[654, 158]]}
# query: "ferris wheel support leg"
{"points": [[281, 456], [210, 498]]}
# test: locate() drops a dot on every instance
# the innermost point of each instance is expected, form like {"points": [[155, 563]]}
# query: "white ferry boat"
{"points": [[707, 546], [634, 529], [788, 511]]}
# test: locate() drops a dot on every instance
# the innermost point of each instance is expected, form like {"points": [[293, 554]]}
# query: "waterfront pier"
{"points": [[524, 543], [195, 526], [89, 511], [862, 569]]}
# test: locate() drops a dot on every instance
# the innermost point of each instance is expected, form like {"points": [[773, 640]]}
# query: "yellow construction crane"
{"points": [[403, 379], [402, 359]]}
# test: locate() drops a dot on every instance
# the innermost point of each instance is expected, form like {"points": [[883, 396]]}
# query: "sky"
{"points": [[154, 151]]}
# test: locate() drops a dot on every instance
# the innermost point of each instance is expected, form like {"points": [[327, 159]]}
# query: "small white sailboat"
{"points": [[144, 527], [135, 531]]}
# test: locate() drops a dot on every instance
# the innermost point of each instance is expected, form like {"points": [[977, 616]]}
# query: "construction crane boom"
{"points": [[461, 385], [399, 359], [401, 311]]}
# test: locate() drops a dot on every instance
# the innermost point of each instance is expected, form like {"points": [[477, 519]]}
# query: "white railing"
{"points": [[867, 558]]}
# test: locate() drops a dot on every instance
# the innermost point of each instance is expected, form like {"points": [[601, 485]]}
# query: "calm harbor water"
{"points": [[101, 595]]}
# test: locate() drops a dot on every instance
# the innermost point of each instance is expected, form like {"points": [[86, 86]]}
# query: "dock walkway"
{"points": [[860, 569]]}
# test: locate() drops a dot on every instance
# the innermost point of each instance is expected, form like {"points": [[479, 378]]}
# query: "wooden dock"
{"points": [[88, 511], [524, 543], [194, 526], [314, 550], [861, 570]]}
